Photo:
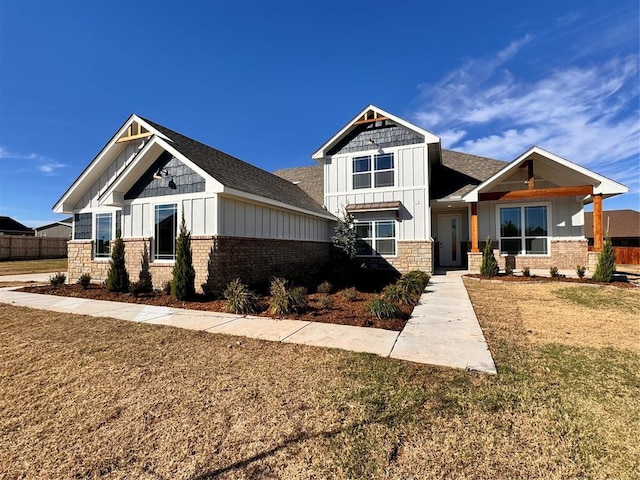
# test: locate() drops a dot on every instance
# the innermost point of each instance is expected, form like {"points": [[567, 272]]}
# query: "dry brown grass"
{"points": [[100, 398], [17, 267]]}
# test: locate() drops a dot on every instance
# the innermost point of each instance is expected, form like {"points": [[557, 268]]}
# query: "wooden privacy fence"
{"points": [[625, 255], [27, 248]]}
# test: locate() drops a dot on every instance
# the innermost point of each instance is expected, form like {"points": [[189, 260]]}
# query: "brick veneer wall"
{"points": [[412, 255], [216, 260], [565, 254], [81, 261]]}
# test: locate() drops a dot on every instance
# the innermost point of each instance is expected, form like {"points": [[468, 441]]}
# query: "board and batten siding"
{"points": [[250, 220], [200, 215], [567, 217], [411, 188], [125, 156]]}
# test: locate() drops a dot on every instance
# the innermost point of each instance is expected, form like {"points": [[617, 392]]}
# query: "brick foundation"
{"points": [[81, 261], [565, 254]]}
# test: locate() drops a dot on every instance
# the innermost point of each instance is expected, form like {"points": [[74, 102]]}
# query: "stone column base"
{"points": [[474, 261]]}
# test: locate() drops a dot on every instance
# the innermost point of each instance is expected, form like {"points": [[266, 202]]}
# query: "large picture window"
{"points": [[373, 171], [104, 234], [375, 238], [524, 230], [166, 221]]}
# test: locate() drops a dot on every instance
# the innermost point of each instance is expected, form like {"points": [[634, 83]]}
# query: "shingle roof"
{"points": [[622, 223], [66, 221], [310, 179], [237, 174], [8, 224], [460, 173]]}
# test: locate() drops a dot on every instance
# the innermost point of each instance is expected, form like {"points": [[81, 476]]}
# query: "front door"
{"points": [[449, 240]]}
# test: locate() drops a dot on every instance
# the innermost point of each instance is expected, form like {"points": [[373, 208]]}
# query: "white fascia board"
{"points": [[601, 184], [250, 197], [62, 205], [428, 136]]}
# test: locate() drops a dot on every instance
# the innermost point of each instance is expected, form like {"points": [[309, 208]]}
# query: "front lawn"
{"points": [[19, 267], [86, 397]]}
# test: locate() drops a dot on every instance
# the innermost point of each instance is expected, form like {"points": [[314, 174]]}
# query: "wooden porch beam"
{"points": [[370, 120], [531, 182], [538, 193], [474, 228], [598, 223]]}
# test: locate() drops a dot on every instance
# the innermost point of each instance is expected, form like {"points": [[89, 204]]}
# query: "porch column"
{"points": [[598, 221], [474, 227]]}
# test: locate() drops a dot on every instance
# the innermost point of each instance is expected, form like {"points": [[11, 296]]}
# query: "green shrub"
{"points": [[184, 275], [240, 299], [136, 288], [581, 270], [57, 279], [398, 294], [489, 266], [286, 300], [325, 302], [344, 238], [324, 287], [382, 308], [349, 294], [117, 277], [606, 263], [145, 282], [553, 271], [84, 280], [526, 271]]}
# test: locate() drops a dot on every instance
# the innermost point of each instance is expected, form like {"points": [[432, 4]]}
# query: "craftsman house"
{"points": [[416, 205], [244, 222]]}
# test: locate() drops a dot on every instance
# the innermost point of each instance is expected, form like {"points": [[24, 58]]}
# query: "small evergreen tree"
{"points": [[606, 263], [145, 282], [489, 266], [117, 278], [184, 275], [344, 239]]}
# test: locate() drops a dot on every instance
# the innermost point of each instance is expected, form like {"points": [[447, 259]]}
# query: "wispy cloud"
{"points": [[43, 164]]}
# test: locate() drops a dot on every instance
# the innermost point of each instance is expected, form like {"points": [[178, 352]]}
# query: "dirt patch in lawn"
{"points": [[343, 312]]}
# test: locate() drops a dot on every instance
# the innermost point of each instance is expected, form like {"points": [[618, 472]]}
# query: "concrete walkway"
{"points": [[442, 331]]}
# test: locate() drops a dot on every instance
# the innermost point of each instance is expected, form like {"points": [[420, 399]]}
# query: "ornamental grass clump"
{"points": [[580, 271], [414, 282], [324, 287], [398, 294], [606, 267], [383, 309], [350, 294], [240, 299], [285, 300], [57, 279], [84, 280]]}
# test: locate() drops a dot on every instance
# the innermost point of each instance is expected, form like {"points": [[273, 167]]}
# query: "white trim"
{"points": [[523, 236], [428, 136], [375, 237], [602, 185]]}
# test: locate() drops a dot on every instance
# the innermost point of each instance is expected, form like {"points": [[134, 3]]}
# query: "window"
{"points": [[375, 238], [166, 220], [380, 170], [104, 234], [82, 226], [524, 230]]}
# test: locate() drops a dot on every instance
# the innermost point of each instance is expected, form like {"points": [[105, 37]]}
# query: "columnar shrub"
{"points": [[145, 282], [606, 263], [240, 299], [489, 266], [184, 275], [117, 277]]}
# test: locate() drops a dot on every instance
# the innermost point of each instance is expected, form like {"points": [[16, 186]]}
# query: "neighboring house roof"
{"points": [[67, 222], [310, 179], [460, 173], [9, 225], [237, 174], [620, 223]]}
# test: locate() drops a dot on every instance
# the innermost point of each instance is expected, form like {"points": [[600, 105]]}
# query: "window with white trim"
{"points": [[165, 226], [373, 171], [104, 234], [524, 230], [376, 238]]}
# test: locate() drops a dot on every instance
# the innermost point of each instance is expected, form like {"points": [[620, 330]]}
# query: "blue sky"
{"points": [[269, 82]]}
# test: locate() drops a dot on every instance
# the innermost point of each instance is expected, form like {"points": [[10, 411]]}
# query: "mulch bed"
{"points": [[537, 279], [342, 312]]}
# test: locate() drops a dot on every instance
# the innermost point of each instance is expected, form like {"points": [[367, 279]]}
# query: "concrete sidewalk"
{"points": [[443, 329]]}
